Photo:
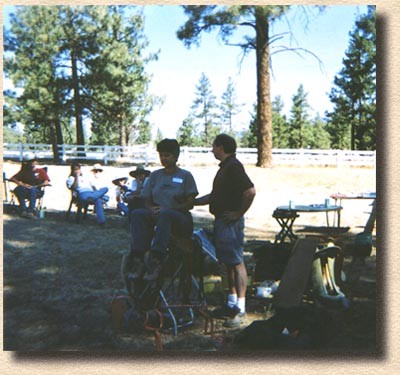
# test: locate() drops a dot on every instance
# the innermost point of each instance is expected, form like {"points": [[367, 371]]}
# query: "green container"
{"points": [[212, 284]]}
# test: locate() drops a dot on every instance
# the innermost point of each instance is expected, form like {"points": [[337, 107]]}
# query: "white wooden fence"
{"points": [[147, 154]]}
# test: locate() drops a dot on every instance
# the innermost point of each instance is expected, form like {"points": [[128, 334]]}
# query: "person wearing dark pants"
{"points": [[231, 196], [30, 180], [83, 186], [169, 194]]}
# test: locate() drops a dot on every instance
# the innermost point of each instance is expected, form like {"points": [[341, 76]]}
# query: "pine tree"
{"points": [[315, 134], [258, 19], [229, 106], [82, 62], [117, 81], [31, 63], [249, 137], [354, 93], [204, 108], [187, 135], [279, 124], [299, 118]]}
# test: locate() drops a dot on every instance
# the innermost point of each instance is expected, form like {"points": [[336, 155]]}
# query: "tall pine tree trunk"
{"points": [[54, 144], [59, 135], [264, 113], [56, 138]]}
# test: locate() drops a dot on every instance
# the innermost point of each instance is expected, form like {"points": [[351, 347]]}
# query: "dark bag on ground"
{"points": [[303, 327], [271, 260]]}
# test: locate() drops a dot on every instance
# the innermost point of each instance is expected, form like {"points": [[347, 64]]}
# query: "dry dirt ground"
{"points": [[59, 278]]}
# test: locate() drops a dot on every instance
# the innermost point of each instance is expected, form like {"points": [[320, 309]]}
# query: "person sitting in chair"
{"points": [[120, 194], [169, 194], [86, 191], [134, 197], [30, 180], [129, 198], [97, 181]]}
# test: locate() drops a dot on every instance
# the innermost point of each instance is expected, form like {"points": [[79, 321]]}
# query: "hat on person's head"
{"points": [[139, 170], [119, 181], [29, 156], [97, 168]]}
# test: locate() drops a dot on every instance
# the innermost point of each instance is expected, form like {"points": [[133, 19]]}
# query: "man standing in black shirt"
{"points": [[231, 196]]}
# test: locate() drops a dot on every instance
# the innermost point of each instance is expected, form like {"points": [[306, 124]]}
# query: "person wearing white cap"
{"points": [[97, 181], [85, 190], [30, 179]]}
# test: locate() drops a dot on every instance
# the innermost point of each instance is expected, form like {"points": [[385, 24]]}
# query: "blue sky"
{"points": [[178, 69]]}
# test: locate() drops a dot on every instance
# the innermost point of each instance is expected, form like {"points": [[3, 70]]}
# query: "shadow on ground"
{"points": [[61, 277]]}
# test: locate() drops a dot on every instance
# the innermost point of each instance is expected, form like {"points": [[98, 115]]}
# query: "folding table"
{"points": [[286, 216]]}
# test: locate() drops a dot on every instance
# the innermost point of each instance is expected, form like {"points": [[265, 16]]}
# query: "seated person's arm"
{"points": [[18, 182], [135, 189], [72, 181], [43, 184]]}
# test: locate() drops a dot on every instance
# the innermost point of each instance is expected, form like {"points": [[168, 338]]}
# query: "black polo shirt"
{"points": [[229, 184]]}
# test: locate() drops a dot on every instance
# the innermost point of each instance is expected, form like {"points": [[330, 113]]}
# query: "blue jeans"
{"points": [[95, 196], [229, 241], [123, 208], [144, 226], [23, 193]]}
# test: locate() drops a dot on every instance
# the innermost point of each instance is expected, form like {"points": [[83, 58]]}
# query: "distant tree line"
{"points": [[83, 67]]}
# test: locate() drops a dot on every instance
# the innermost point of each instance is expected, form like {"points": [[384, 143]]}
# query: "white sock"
{"points": [[241, 303], [232, 300]]}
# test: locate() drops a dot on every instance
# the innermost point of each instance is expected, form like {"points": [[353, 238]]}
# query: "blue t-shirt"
{"points": [[168, 190]]}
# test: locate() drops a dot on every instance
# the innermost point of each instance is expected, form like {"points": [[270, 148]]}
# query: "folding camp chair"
{"points": [[81, 207], [13, 203]]}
